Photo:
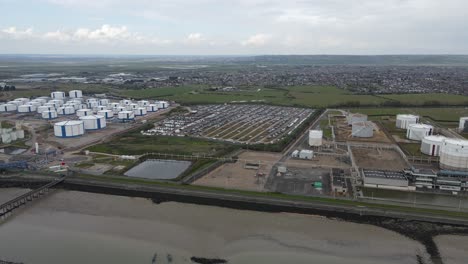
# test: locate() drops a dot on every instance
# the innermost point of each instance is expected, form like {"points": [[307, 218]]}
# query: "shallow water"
{"points": [[159, 169]]}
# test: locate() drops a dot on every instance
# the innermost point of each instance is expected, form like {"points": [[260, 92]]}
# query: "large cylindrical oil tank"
{"points": [[454, 155], [151, 108], [56, 102], [26, 108], [162, 104], [463, 126], [362, 129], [352, 118], [94, 122], [125, 102], [108, 114], [93, 104], [315, 138], [35, 103], [75, 94], [57, 95], [66, 110], [100, 107], [419, 131], [126, 115], [140, 111], [133, 106], [8, 107], [104, 102], [42, 101], [43, 108], [67, 129], [431, 145], [49, 114], [22, 100], [17, 103], [113, 106], [20, 133], [403, 121], [143, 103], [120, 109], [84, 112]]}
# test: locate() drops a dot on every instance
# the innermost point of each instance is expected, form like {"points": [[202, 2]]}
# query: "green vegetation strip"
{"points": [[396, 208]]}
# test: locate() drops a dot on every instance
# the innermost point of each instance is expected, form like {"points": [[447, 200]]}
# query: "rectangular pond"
{"points": [[159, 169]]}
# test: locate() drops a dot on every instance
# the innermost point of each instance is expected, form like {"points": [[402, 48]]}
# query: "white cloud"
{"points": [[257, 40], [195, 38], [13, 33]]}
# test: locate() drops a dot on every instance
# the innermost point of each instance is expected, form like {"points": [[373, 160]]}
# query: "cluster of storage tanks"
{"points": [[453, 153], [360, 127], [91, 112], [414, 130], [8, 135]]}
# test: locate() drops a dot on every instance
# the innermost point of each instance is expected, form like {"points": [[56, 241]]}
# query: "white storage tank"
{"points": [[8, 107], [454, 155], [6, 138], [315, 138], [75, 94], [362, 129], [133, 106], [35, 103], [162, 104], [463, 127], [17, 103], [56, 102], [101, 107], [143, 103], [93, 104], [104, 102], [57, 95], [49, 114], [84, 112], [120, 109], [352, 118], [403, 121], [27, 108], [20, 133], [125, 102], [13, 136], [43, 108], [66, 110], [108, 114], [54, 105], [67, 129], [140, 111], [22, 100], [151, 108], [126, 115], [93, 122], [114, 106], [419, 131], [42, 101], [431, 145]]}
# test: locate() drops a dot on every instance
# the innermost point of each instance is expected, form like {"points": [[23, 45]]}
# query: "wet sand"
{"points": [[453, 249], [76, 227]]}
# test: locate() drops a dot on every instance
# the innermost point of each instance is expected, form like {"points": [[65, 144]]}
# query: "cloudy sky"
{"points": [[225, 27]]}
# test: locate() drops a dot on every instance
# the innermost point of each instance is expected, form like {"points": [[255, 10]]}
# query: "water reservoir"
{"points": [[159, 169]]}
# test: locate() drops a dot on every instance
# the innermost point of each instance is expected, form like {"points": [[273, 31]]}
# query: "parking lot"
{"points": [[250, 124]]}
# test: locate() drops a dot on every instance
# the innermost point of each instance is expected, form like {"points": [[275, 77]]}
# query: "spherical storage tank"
{"points": [[66, 110], [140, 111], [57, 95], [49, 114], [419, 131], [403, 121], [27, 108], [454, 155], [152, 108], [106, 113], [352, 118], [463, 124], [126, 115], [431, 145], [8, 107], [362, 129], [75, 94], [66, 129], [84, 112], [93, 122]]}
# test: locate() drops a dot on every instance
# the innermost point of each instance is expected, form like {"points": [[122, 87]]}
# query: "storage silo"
{"points": [[52, 104], [66, 110], [126, 115], [67, 129], [40, 100], [140, 111], [93, 122], [43, 108], [17, 103], [35, 103], [431, 145], [26, 108], [75, 94], [8, 107], [162, 104], [120, 109], [22, 100], [84, 112], [89, 100], [362, 129], [56, 102], [114, 106], [57, 95], [108, 114], [315, 138], [403, 121], [151, 108], [49, 114], [352, 118], [100, 108], [143, 103], [104, 102], [463, 127], [92, 104], [133, 106], [125, 102], [419, 131], [454, 155]]}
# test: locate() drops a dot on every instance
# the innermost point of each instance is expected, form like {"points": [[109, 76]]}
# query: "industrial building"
{"points": [[315, 138], [386, 180], [306, 154], [68, 129], [463, 126], [454, 155], [431, 145], [353, 118], [362, 129], [419, 131], [403, 121]]}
